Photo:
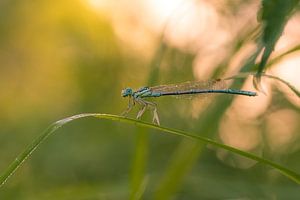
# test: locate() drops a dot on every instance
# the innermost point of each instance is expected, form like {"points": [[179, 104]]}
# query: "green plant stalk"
{"points": [[138, 173], [181, 162], [138, 178], [56, 125]]}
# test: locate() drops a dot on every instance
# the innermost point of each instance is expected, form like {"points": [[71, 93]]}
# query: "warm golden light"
{"points": [[239, 133], [162, 10], [282, 128], [289, 70], [97, 4]]}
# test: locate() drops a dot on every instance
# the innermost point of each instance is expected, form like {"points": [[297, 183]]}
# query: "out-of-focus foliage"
{"points": [[274, 16], [67, 57]]}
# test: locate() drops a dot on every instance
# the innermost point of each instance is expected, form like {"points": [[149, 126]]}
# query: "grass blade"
{"points": [[53, 127], [138, 178], [274, 15]]}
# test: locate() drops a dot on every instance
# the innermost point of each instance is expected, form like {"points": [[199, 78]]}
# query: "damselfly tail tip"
{"points": [[252, 94]]}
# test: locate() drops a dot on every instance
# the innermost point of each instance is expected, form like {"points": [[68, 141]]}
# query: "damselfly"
{"points": [[188, 88]]}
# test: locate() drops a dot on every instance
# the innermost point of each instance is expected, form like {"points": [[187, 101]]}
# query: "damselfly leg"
{"points": [[130, 106], [148, 104], [142, 110]]}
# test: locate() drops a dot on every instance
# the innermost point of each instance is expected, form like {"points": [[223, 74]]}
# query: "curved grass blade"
{"points": [[56, 125], [281, 56], [297, 92], [246, 74]]}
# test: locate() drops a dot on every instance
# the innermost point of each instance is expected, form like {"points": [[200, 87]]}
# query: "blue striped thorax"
{"points": [[143, 92]]}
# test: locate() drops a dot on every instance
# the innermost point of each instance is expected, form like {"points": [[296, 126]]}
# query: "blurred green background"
{"points": [[67, 57]]}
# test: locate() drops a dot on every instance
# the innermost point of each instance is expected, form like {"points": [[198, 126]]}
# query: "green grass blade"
{"points": [[53, 127], [138, 178], [138, 173], [182, 161], [274, 15]]}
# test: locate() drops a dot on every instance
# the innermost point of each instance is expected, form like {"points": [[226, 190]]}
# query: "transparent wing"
{"points": [[186, 86]]}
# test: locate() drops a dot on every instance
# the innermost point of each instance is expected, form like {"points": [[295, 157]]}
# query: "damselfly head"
{"points": [[126, 92]]}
